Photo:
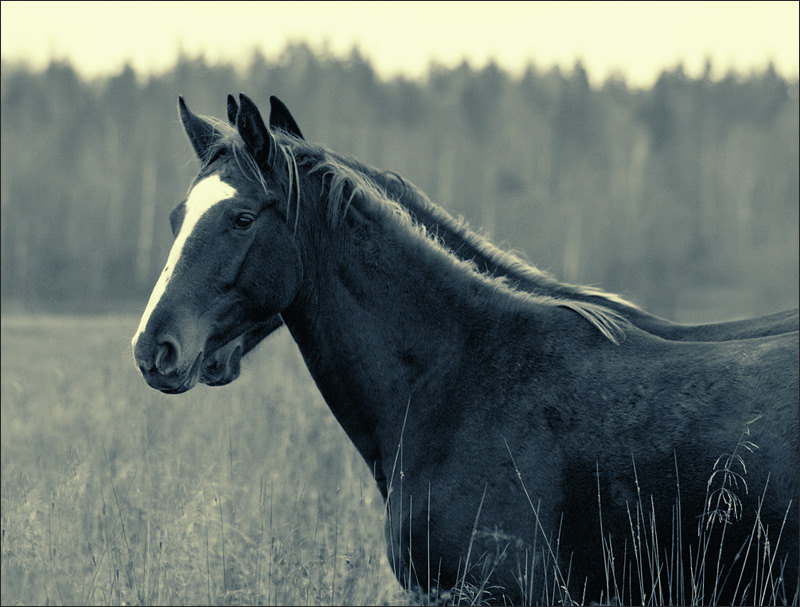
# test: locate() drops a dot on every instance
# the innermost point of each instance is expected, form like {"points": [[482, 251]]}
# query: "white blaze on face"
{"points": [[204, 195]]}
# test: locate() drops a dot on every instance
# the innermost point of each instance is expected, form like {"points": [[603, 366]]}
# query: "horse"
{"points": [[507, 430], [224, 366]]}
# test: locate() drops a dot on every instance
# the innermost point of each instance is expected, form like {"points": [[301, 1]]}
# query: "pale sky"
{"points": [[636, 39]]}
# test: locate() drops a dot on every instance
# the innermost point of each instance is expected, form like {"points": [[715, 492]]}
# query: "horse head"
{"points": [[224, 365], [233, 263]]}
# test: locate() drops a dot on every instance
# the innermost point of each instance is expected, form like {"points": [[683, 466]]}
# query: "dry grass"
{"points": [[642, 572], [113, 493]]}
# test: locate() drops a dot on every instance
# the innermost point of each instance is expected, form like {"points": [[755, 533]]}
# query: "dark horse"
{"points": [[224, 365], [529, 447]]}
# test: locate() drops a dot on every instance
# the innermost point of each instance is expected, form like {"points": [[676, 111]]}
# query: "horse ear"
{"points": [[255, 133], [233, 110], [201, 134], [281, 118]]}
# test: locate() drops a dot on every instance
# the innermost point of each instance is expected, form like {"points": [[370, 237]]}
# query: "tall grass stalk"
{"points": [[667, 567]]}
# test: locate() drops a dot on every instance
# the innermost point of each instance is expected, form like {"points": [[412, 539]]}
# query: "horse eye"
{"points": [[243, 221]]}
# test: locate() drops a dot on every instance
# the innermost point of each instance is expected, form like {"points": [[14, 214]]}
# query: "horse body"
{"points": [[545, 387], [490, 416]]}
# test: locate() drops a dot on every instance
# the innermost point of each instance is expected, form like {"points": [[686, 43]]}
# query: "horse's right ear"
{"points": [[256, 135], [202, 134], [233, 110], [281, 118]]}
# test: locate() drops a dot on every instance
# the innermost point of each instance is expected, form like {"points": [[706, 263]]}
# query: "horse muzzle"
{"points": [[164, 365]]}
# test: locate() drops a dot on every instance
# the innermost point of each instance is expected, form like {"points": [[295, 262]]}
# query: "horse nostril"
{"points": [[167, 356]]}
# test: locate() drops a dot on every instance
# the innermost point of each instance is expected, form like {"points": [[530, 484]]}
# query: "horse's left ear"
{"points": [[255, 133], [233, 110], [202, 135]]}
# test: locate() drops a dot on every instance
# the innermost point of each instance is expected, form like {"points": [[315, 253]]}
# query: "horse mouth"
{"points": [[178, 384]]}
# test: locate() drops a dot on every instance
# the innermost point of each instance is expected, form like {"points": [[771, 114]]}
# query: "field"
{"points": [[113, 493]]}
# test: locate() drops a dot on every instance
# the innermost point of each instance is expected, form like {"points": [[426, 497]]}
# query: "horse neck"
{"points": [[381, 315]]}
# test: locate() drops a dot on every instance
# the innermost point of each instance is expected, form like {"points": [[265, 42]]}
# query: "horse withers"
{"points": [[524, 443]]}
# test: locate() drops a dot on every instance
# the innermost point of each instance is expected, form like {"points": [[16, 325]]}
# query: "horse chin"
{"points": [[187, 382], [215, 373]]}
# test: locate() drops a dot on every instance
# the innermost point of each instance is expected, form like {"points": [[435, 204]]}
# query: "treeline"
{"points": [[671, 195]]}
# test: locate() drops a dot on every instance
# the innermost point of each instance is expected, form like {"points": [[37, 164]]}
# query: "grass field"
{"points": [[113, 493]]}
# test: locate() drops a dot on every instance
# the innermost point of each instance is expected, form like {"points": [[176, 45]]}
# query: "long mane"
{"points": [[416, 201], [347, 183]]}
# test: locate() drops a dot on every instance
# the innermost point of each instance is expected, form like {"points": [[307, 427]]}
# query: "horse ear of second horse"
{"points": [[281, 118], [255, 133], [233, 110], [201, 134]]}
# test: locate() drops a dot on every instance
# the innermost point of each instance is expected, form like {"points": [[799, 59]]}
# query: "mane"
{"points": [[407, 194], [349, 183], [515, 269]]}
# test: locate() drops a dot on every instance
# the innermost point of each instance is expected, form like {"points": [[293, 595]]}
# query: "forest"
{"points": [[682, 197]]}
